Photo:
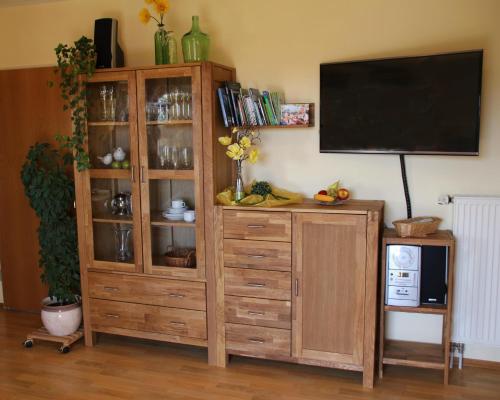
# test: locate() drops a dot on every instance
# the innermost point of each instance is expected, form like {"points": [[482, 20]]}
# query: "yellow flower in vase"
{"points": [[144, 16], [235, 152], [161, 6], [245, 142], [253, 157], [225, 140]]}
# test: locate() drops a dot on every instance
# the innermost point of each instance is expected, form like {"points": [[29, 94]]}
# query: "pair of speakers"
{"points": [[109, 52]]}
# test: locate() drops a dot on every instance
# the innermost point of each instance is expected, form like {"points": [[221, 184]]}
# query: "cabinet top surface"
{"points": [[349, 207], [146, 67], [440, 237]]}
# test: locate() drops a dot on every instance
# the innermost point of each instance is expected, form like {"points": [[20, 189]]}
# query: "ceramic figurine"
{"points": [[107, 159], [119, 154]]}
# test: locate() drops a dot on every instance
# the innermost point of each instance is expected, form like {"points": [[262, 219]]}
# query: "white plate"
{"points": [[172, 210], [173, 217]]}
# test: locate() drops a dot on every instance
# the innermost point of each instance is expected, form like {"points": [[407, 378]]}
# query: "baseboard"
{"points": [[471, 362]]}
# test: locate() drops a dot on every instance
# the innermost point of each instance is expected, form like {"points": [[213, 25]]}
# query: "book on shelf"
{"points": [[248, 107]]}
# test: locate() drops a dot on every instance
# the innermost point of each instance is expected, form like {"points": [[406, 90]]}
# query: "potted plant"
{"points": [[50, 190]]}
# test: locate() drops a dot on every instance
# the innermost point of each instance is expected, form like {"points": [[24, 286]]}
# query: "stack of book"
{"points": [[248, 107]]}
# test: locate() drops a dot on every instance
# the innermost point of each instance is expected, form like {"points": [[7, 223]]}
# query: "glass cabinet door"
{"points": [[169, 114], [113, 226]]}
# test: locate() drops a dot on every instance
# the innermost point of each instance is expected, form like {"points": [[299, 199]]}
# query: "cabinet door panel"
{"points": [[329, 269]]}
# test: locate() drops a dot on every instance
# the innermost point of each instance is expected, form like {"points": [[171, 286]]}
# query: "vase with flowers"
{"points": [[241, 146], [165, 43]]}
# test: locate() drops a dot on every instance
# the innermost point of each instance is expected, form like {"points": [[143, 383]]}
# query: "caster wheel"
{"points": [[28, 343], [64, 349]]}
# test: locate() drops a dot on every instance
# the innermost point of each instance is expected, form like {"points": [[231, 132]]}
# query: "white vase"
{"points": [[61, 320]]}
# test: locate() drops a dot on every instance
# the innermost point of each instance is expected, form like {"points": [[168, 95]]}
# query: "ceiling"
{"points": [[13, 3]]}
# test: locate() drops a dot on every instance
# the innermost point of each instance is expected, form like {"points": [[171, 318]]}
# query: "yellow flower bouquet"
{"points": [[241, 146]]}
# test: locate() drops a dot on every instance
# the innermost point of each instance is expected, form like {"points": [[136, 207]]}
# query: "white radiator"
{"points": [[476, 226]]}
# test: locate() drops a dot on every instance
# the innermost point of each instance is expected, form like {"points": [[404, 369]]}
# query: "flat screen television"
{"points": [[411, 105]]}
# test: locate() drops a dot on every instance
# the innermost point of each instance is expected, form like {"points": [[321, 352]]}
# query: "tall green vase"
{"points": [[161, 46], [195, 44]]}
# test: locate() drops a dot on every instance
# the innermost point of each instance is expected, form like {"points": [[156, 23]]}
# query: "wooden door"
{"points": [[171, 168], [30, 112], [112, 225], [329, 284]]}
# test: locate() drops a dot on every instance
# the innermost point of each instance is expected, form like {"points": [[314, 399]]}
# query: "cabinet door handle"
{"points": [[256, 284], [176, 295], [142, 174], [111, 289], [256, 226], [112, 315], [296, 287], [256, 256], [179, 323], [132, 173], [255, 313], [256, 340]]}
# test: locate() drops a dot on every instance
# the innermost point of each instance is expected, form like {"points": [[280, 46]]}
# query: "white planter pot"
{"points": [[61, 320]]}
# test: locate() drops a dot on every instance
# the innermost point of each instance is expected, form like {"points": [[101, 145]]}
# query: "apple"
{"points": [[322, 192], [125, 164], [116, 164], [343, 194]]}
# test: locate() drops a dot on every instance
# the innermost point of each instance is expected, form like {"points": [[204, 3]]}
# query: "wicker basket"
{"points": [[180, 257], [417, 227]]}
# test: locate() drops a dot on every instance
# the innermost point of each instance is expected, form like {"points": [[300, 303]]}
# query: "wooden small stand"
{"points": [[43, 334]]}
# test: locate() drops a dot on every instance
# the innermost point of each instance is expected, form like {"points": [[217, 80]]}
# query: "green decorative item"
{"points": [[51, 194], [195, 44], [172, 48], [75, 65], [161, 46]]}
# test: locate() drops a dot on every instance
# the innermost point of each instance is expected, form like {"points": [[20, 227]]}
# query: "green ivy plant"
{"points": [[75, 64], [51, 194]]}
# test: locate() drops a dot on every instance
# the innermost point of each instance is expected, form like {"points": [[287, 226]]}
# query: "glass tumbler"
{"points": [[186, 158], [122, 242]]}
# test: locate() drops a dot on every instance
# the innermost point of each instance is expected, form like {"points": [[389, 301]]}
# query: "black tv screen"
{"points": [[419, 105]]}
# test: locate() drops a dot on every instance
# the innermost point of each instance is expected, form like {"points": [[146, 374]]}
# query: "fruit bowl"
{"points": [[336, 202]]}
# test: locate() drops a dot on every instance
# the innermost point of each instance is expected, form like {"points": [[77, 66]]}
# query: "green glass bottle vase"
{"points": [[161, 46], [195, 44]]}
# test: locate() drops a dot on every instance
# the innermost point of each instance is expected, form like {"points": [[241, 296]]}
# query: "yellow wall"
{"points": [[279, 44]]}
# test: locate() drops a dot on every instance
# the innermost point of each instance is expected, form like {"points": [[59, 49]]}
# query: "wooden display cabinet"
{"points": [[133, 290]]}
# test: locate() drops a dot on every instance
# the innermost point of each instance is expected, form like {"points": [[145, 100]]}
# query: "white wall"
{"points": [[279, 44]]}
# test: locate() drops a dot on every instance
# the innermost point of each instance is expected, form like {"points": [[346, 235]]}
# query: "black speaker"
{"points": [[434, 275], [109, 53]]}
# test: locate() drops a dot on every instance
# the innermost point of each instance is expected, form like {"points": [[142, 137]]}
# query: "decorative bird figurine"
{"points": [[119, 154], [107, 159]]}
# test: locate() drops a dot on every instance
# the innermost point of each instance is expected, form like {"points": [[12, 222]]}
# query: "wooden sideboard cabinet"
{"points": [[299, 284], [137, 291]]}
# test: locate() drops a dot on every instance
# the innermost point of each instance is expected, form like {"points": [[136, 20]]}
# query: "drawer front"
{"points": [[255, 254], [139, 317], [257, 283], [145, 290], [258, 341], [255, 225], [261, 312]]}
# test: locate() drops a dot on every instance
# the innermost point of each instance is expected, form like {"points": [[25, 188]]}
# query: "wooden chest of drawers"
{"points": [[299, 284]]}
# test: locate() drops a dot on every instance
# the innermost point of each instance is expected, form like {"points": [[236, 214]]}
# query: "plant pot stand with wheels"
{"points": [[43, 334]]}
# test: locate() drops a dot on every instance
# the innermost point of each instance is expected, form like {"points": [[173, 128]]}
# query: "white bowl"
{"points": [[172, 210], [173, 217]]}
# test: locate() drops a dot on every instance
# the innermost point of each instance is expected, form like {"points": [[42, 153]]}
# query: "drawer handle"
{"points": [[111, 289], [179, 323], [176, 295], [111, 315], [255, 313], [256, 340], [256, 284], [256, 226], [255, 256]]}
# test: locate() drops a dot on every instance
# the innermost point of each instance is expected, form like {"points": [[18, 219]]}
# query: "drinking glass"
{"points": [[176, 104], [122, 242], [172, 157], [188, 99], [152, 111], [186, 158], [102, 103], [110, 103], [163, 108]]}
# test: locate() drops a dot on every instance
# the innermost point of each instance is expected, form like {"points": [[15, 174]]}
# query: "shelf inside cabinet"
{"points": [[112, 219], [108, 123], [158, 220], [182, 174], [414, 354], [431, 309], [109, 173], [172, 122]]}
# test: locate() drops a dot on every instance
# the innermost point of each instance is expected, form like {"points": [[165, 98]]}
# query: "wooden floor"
{"points": [[121, 368]]}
